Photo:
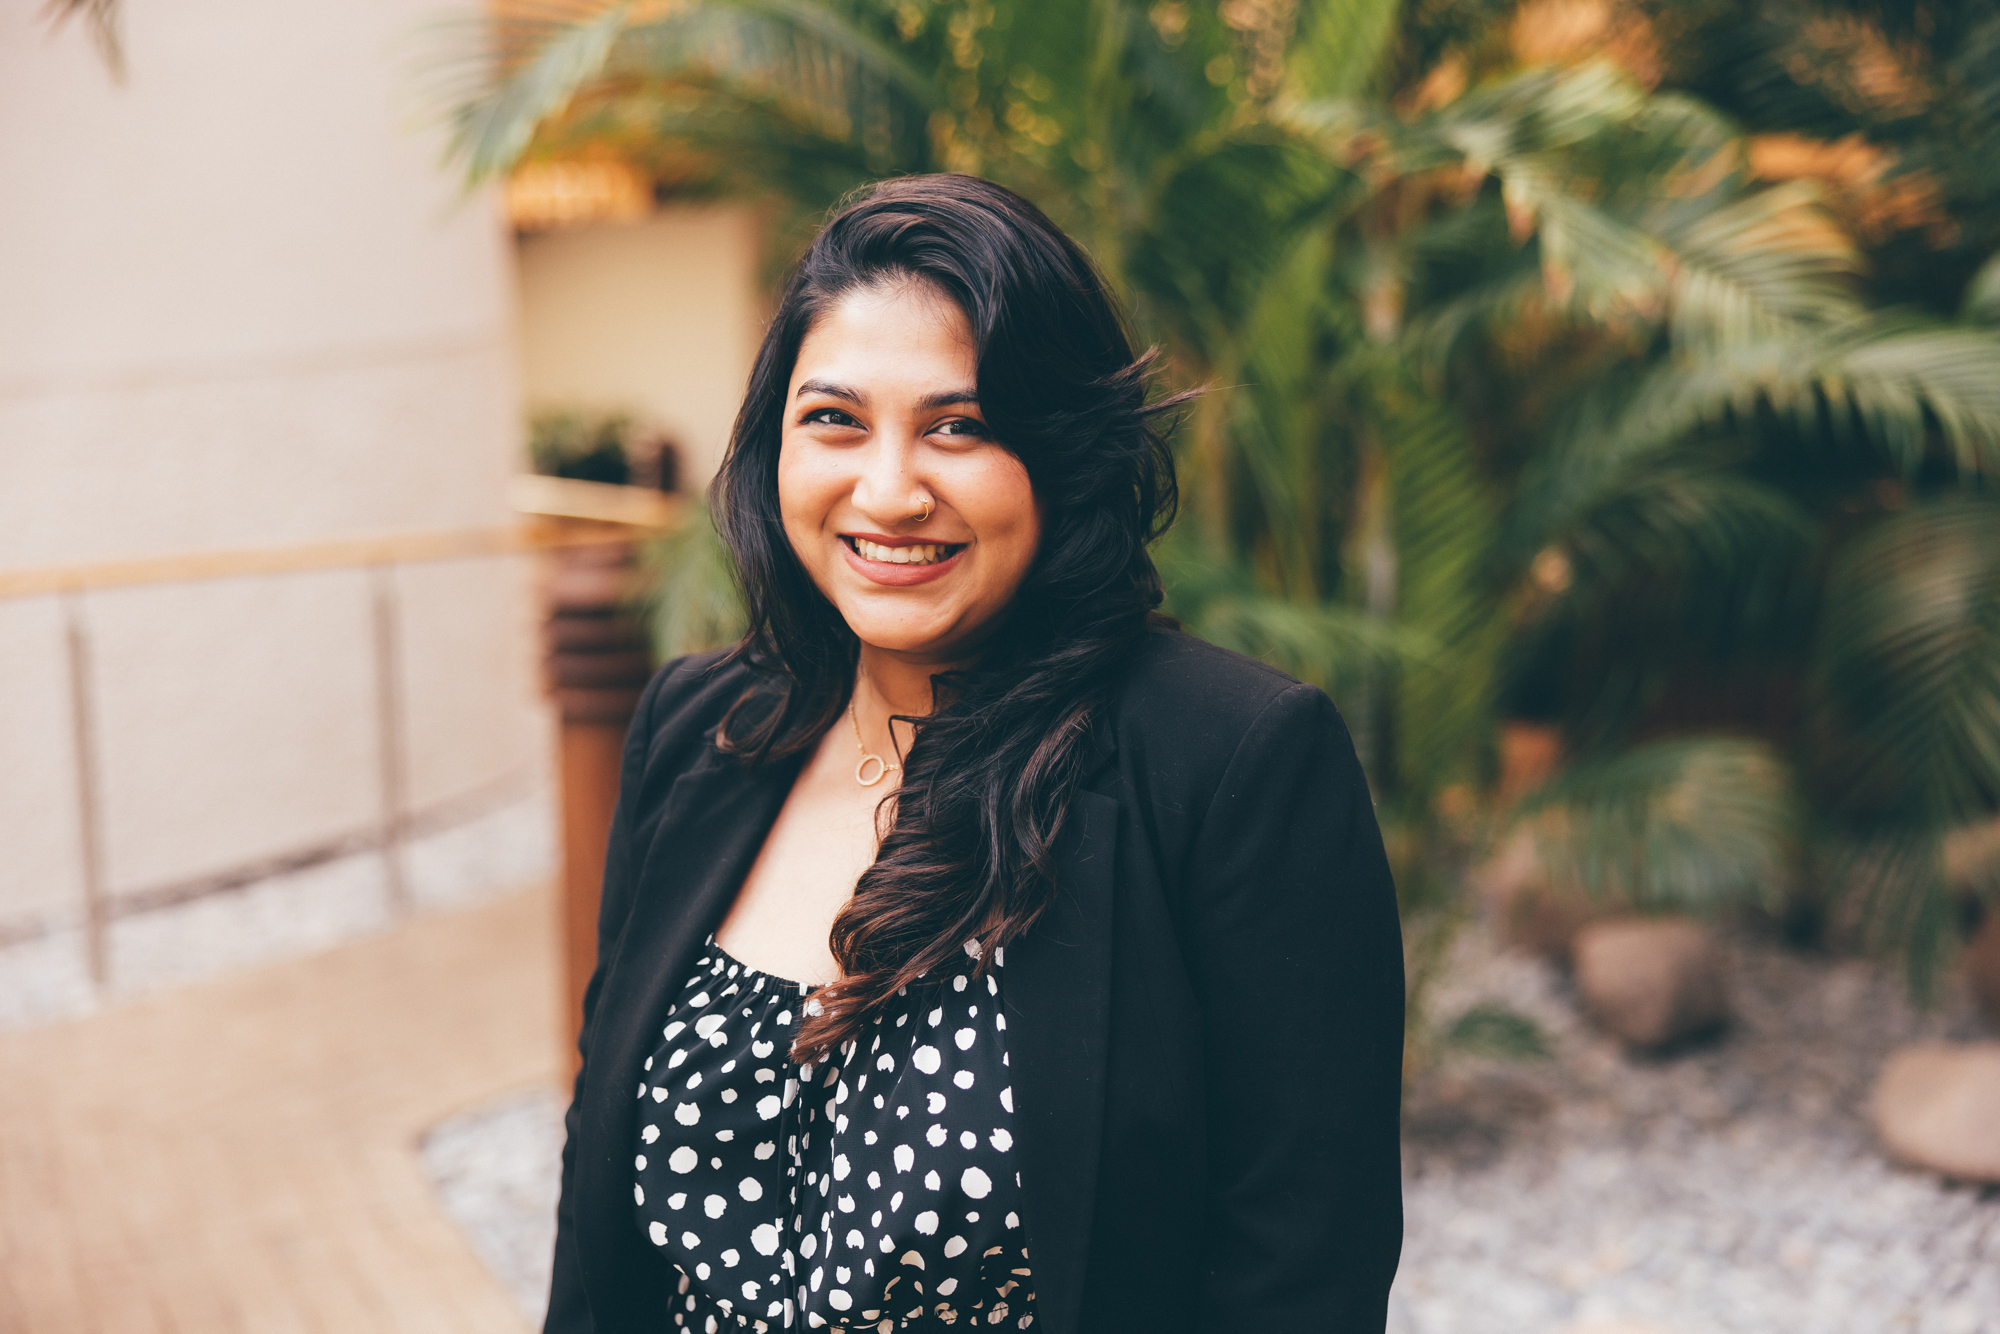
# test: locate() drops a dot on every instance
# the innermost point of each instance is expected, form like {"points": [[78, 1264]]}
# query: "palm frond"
{"points": [[106, 21], [691, 601], [1898, 381], [1906, 684], [1324, 643], [1695, 824], [815, 62], [1337, 48]]}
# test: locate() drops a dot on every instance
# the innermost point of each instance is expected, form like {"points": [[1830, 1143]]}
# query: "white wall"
{"points": [[659, 318], [241, 305]]}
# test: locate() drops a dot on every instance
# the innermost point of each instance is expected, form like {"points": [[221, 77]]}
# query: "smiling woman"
{"points": [[981, 947]]}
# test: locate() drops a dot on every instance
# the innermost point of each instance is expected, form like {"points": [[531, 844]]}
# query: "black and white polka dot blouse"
{"points": [[874, 1191]]}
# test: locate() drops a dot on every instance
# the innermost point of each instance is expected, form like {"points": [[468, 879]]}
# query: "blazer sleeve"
{"points": [[1297, 961], [569, 1310]]}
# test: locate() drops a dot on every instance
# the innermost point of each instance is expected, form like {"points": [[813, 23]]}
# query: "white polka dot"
{"points": [[1001, 1140], [933, 1180], [658, 1232], [936, 1135], [966, 1139], [694, 1080], [767, 1107], [638, 1193], [689, 1241], [766, 1149], [673, 1062], [975, 1183], [766, 1075], [935, 1104], [885, 1062], [841, 1167], [855, 1241], [660, 1095], [958, 983], [750, 1188], [964, 1038], [963, 1079], [649, 1134], [762, 1049], [1013, 1219], [700, 999], [838, 1300], [683, 1159], [905, 1157], [1007, 1097], [948, 1287], [677, 1199], [926, 1222], [687, 1113], [673, 1030], [750, 1290], [729, 1259], [954, 1248], [729, 1095], [640, 1162], [714, 1205], [926, 1059], [765, 1238]]}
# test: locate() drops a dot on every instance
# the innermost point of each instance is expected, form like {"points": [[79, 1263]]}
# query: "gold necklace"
{"points": [[883, 767]]}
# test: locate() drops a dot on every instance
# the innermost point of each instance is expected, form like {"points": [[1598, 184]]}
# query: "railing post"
{"points": [[598, 663]]}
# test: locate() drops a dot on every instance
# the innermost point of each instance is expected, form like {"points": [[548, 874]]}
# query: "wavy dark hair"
{"points": [[968, 862]]}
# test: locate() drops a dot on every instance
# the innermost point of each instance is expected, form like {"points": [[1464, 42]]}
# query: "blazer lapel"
{"points": [[713, 822], [1057, 989]]}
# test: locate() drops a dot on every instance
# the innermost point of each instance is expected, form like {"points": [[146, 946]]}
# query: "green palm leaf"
{"points": [[1696, 824]]}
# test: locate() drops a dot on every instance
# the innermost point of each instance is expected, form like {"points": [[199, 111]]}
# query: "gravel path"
{"points": [[1732, 1188]]}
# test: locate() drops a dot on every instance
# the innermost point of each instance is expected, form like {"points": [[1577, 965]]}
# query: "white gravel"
{"points": [[1733, 1187], [498, 1170], [1730, 1188]]}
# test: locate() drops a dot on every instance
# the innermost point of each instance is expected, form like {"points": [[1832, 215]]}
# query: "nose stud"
{"points": [[925, 516]]}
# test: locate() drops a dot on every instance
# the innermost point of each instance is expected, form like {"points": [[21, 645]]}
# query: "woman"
{"points": [[981, 949]]}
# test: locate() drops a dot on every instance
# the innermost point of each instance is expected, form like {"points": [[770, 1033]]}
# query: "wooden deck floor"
{"points": [[241, 1155]]}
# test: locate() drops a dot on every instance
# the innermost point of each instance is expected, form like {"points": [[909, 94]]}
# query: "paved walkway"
{"points": [[241, 1155]]}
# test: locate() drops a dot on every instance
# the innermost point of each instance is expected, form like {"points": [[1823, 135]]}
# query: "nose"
{"points": [[886, 487]]}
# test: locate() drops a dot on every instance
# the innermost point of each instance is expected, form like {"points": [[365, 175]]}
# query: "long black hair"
{"points": [[988, 781]]}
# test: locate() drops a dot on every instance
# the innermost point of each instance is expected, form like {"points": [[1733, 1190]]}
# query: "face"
{"points": [[882, 411]]}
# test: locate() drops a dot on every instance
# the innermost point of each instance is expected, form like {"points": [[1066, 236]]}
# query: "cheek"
{"points": [[806, 491]]}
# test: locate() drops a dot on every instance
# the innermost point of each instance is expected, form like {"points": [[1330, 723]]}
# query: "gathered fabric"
{"points": [[876, 1189]]}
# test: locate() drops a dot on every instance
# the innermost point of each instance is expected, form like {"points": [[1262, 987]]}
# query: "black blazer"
{"points": [[1205, 1028]]}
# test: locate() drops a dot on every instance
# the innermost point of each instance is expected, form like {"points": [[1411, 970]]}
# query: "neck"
{"points": [[891, 683]]}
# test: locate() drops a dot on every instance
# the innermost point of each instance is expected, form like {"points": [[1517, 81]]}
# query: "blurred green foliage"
{"points": [[587, 446], [1649, 386]]}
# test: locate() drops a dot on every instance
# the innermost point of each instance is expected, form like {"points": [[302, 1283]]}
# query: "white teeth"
{"points": [[924, 554]]}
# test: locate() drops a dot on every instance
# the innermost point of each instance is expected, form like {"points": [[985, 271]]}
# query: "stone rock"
{"points": [[1937, 1106], [1533, 915], [1650, 980]]}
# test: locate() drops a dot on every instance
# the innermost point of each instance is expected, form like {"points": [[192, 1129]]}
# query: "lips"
{"points": [[899, 564]]}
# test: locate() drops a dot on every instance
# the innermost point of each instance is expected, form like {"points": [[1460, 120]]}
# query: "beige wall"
{"points": [[242, 306], [659, 318]]}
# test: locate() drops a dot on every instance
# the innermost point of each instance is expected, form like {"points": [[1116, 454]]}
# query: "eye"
{"points": [[964, 426], [827, 417]]}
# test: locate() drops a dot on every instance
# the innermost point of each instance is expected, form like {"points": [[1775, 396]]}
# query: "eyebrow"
{"points": [[944, 398]]}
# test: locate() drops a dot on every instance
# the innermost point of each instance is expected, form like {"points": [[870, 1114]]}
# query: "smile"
{"points": [[923, 553]]}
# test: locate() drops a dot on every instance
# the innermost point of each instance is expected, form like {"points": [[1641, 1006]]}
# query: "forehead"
{"points": [[889, 334]]}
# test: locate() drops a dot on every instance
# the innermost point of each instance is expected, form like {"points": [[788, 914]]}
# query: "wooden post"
{"points": [[598, 664]]}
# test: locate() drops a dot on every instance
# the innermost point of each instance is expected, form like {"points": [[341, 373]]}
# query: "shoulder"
{"points": [[1175, 680], [1185, 711], [686, 700]]}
